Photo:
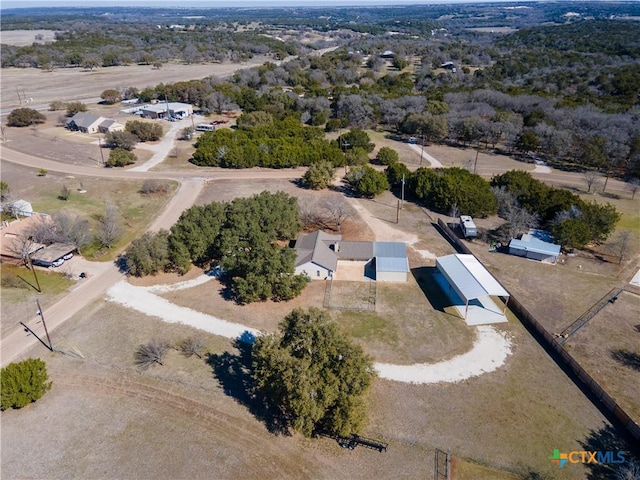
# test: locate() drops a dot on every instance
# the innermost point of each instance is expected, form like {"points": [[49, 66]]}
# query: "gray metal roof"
{"points": [[392, 264], [468, 277], [529, 243], [389, 249]]}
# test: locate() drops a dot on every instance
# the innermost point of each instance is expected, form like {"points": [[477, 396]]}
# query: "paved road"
{"points": [[105, 275]]}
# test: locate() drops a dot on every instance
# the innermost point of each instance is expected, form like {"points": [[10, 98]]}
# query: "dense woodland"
{"points": [[558, 82]]}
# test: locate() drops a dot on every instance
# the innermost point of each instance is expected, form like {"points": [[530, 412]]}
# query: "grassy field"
{"points": [[137, 210], [19, 293]]}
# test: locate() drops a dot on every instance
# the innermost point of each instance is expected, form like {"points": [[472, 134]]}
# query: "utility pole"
{"points": [[100, 147], [476, 162], [402, 201], [19, 98], [41, 314], [398, 213], [33, 269]]}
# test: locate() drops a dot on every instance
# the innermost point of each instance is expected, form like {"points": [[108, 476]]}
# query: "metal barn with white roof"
{"points": [[470, 285]]}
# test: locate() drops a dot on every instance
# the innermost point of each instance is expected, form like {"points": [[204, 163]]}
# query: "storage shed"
{"points": [[535, 245], [391, 261], [470, 287]]}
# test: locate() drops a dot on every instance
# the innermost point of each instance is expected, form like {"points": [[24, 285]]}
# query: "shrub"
{"points": [[125, 140], [75, 107], [23, 117], [151, 186], [23, 383], [145, 131], [119, 157], [387, 156], [57, 105], [319, 175]]}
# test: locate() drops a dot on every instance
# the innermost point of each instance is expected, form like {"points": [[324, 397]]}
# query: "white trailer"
{"points": [[469, 229]]}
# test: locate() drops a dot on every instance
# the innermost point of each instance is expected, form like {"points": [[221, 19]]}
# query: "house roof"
{"points": [[85, 119], [468, 277], [325, 250], [13, 235], [314, 247], [110, 123], [53, 252], [162, 107], [354, 250]]}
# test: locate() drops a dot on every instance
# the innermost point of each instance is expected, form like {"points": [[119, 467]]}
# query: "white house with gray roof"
{"points": [[89, 123], [319, 256]]}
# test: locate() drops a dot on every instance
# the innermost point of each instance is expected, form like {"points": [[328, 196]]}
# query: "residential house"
{"points": [[320, 255]]}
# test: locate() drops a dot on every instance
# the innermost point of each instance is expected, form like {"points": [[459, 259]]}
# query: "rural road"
{"points": [[105, 275]]}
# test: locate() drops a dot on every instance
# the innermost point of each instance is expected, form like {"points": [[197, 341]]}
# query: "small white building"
{"points": [[535, 245], [170, 110]]}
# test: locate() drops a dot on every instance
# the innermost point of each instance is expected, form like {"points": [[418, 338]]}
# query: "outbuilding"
{"points": [[470, 286], [51, 254], [535, 245], [170, 110]]}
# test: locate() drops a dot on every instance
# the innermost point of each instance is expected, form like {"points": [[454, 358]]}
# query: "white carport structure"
{"points": [[467, 282]]}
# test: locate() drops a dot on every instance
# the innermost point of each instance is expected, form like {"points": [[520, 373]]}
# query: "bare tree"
{"points": [[148, 354], [633, 186], [65, 193], [591, 179], [337, 210], [620, 245], [308, 211], [191, 346], [110, 226], [218, 102]]}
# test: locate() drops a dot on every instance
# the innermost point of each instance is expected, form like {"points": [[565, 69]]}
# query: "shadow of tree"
{"points": [[608, 439], [234, 372], [627, 358]]}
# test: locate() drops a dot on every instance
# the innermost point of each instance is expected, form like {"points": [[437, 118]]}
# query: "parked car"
{"points": [[58, 262], [68, 256]]}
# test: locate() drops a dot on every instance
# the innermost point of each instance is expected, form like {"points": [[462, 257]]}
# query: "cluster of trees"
{"points": [[122, 142], [25, 117], [263, 141], [23, 383], [311, 376], [574, 222], [243, 237], [452, 189]]}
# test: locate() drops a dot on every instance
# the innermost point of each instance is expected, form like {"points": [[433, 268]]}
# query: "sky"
{"points": [[221, 3]]}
